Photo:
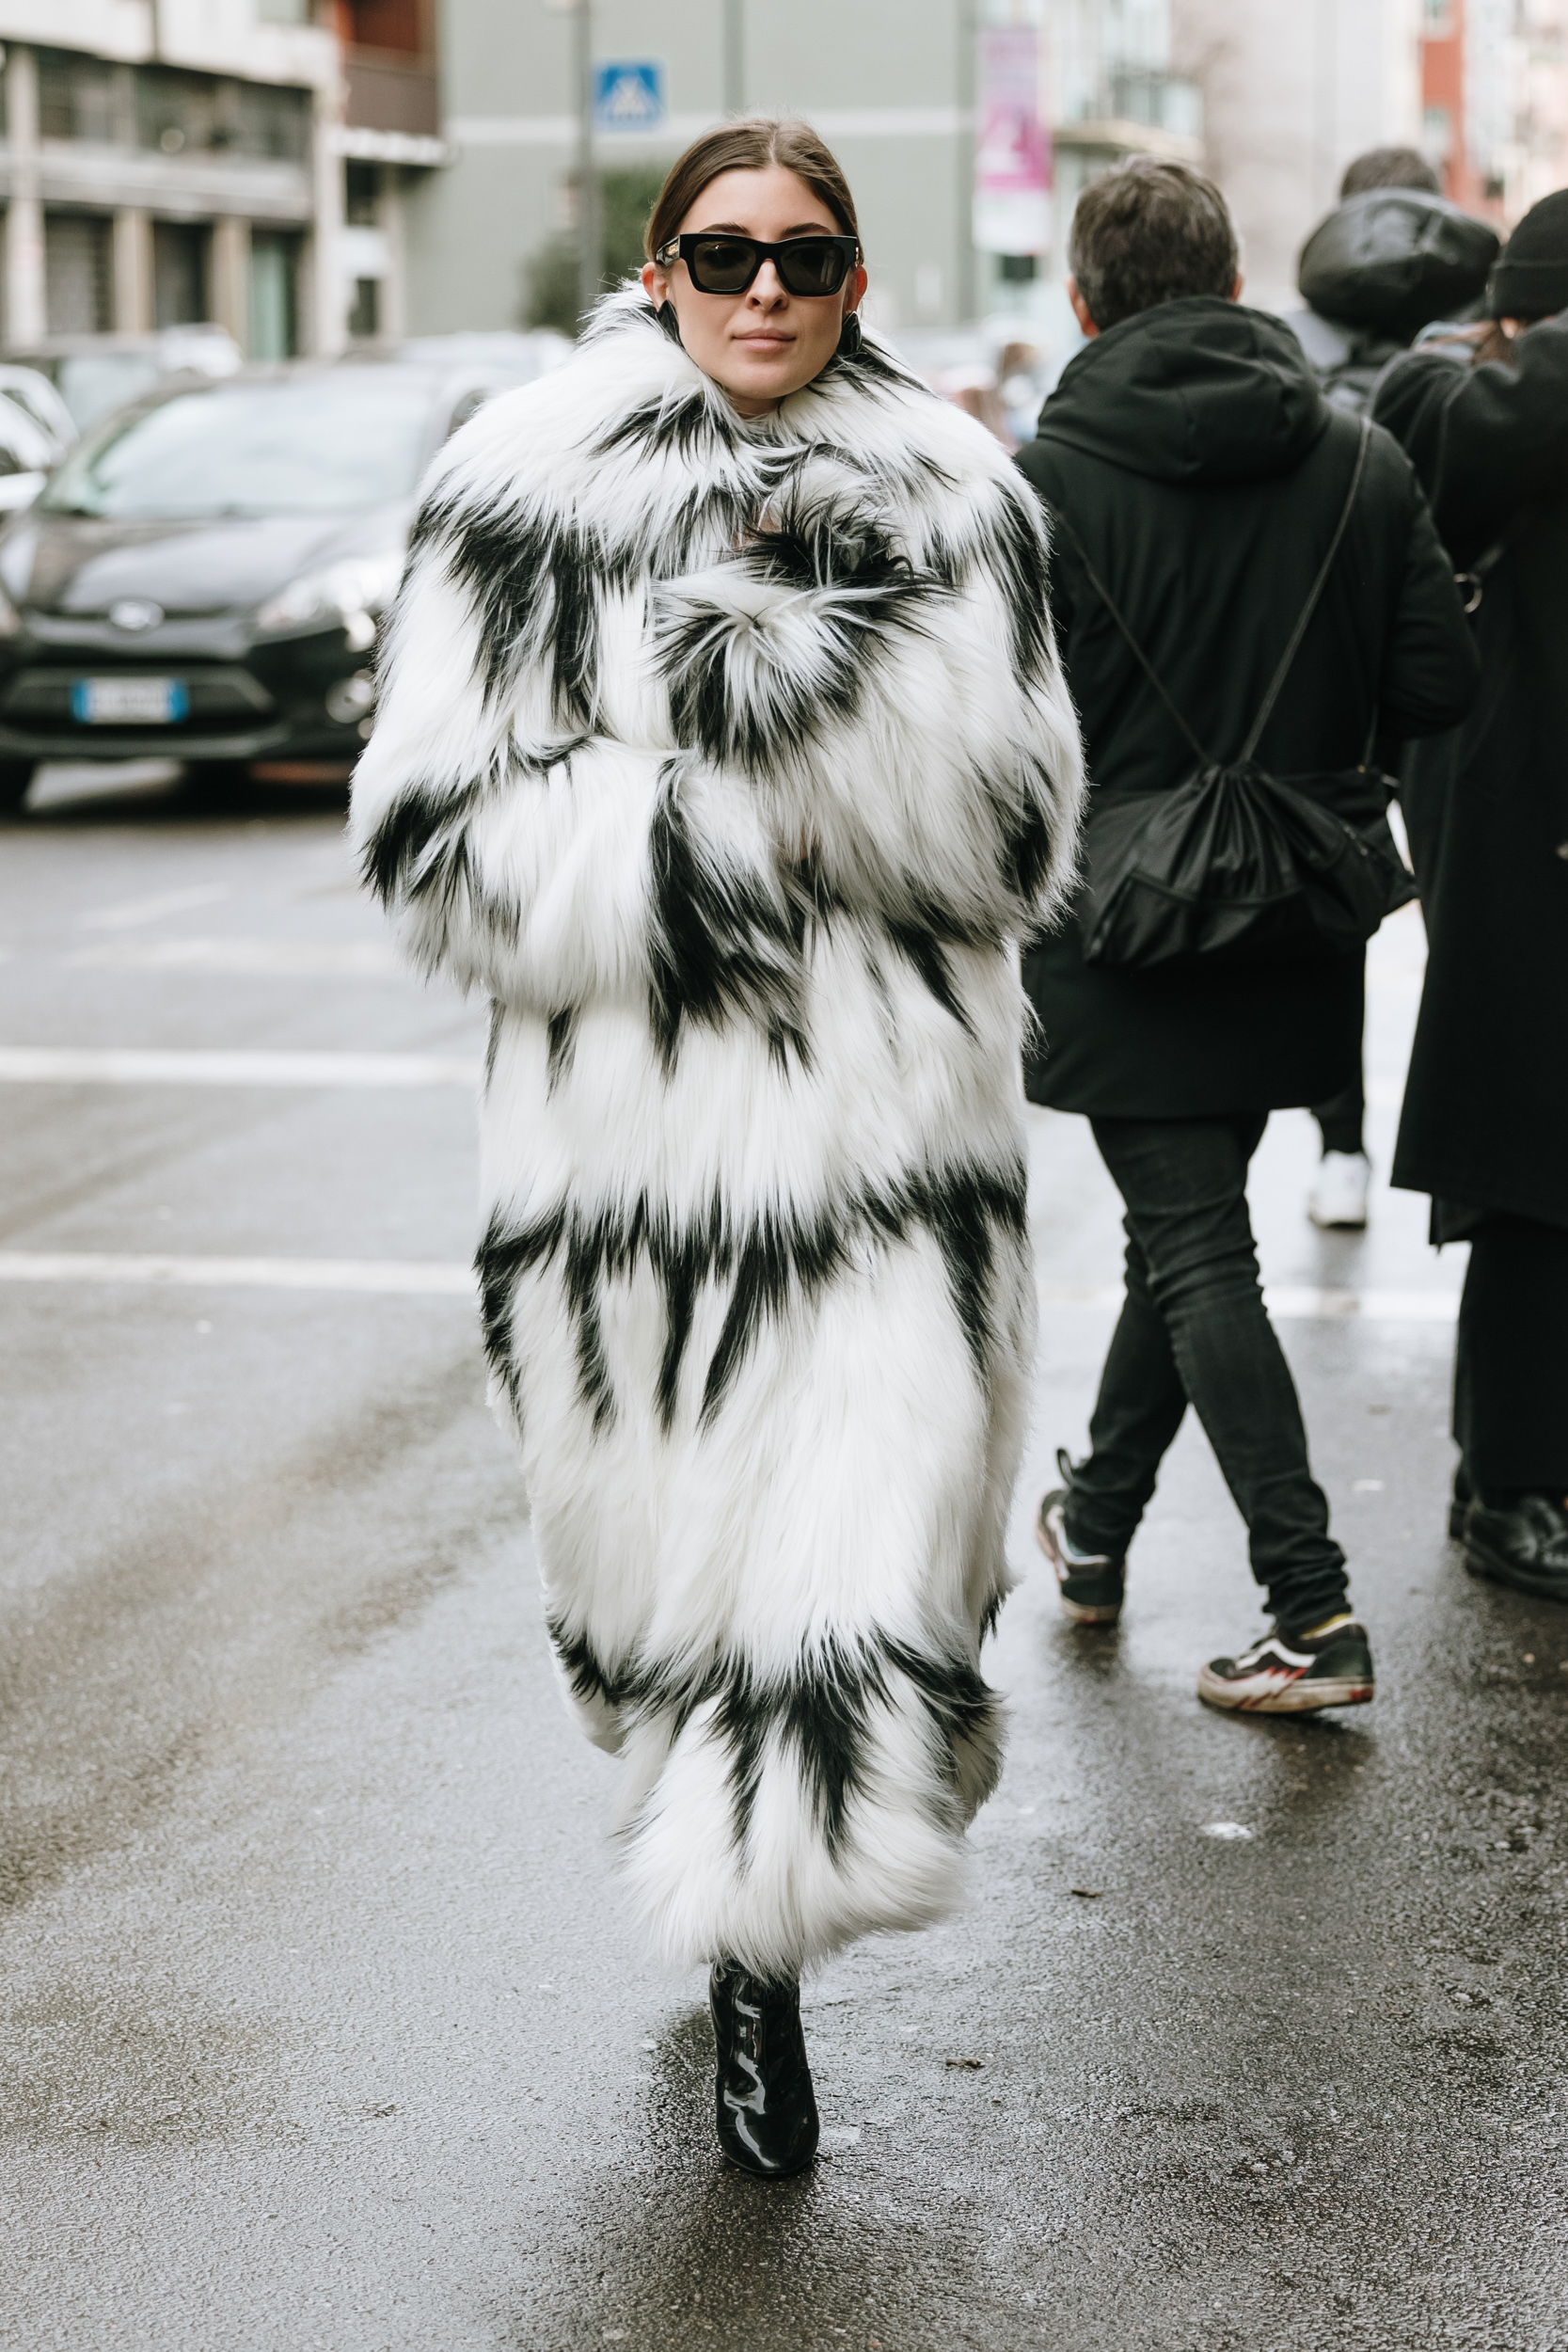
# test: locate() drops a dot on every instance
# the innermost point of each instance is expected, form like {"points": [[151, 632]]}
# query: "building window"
{"points": [[178, 113], [275, 121], [396, 25], [1436, 133], [274, 295], [181, 272], [284, 12], [362, 195], [76, 97], [364, 317], [77, 272]]}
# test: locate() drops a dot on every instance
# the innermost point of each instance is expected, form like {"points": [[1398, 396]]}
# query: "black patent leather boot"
{"points": [[765, 2106]]}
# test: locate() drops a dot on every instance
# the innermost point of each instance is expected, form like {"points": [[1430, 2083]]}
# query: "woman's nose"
{"points": [[766, 287]]}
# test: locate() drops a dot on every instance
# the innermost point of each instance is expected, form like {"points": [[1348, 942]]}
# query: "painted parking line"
{"points": [[436, 1279], [73, 1065]]}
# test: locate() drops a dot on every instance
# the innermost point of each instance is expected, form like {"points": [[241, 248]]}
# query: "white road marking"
{"points": [[127, 916], [434, 1279], [409, 1277], [73, 1065], [1289, 1303], [286, 958]]}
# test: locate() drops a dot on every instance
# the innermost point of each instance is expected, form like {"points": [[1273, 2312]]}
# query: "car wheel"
{"points": [[15, 776]]}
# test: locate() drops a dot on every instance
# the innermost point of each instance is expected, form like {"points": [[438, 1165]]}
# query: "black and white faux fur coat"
{"points": [[729, 757]]}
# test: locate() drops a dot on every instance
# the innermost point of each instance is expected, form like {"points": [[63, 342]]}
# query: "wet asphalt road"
{"points": [[322, 2025]]}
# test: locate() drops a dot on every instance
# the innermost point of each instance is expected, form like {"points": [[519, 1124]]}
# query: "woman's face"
{"points": [[766, 341]]}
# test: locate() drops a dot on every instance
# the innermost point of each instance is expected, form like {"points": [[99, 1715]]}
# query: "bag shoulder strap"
{"points": [[1287, 659], [1132, 645]]}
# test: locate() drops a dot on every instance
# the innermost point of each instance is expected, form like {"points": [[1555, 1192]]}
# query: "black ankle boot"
{"points": [[766, 2107]]}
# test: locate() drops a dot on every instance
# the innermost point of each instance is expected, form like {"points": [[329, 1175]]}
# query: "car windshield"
{"points": [[91, 384], [320, 445]]}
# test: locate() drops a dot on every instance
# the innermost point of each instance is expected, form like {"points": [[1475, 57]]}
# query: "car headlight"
{"points": [[351, 591]]}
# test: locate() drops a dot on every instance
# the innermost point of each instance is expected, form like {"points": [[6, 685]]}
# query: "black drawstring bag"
{"points": [[1235, 864]]}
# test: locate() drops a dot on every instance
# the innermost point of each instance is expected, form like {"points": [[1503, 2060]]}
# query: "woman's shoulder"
{"points": [[535, 438]]}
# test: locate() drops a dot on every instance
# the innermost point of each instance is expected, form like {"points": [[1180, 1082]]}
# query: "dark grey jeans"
{"points": [[1194, 1331]]}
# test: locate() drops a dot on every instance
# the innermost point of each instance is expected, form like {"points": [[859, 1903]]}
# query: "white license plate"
{"points": [[108, 702]]}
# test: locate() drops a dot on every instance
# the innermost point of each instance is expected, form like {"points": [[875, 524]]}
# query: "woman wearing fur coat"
{"points": [[722, 744]]}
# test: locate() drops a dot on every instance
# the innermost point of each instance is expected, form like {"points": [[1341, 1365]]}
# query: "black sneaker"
{"points": [[1459, 1503], [1092, 1585], [1293, 1674], [1525, 1546]]}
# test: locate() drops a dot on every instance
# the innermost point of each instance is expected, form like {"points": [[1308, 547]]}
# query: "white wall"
{"points": [[1292, 91]]}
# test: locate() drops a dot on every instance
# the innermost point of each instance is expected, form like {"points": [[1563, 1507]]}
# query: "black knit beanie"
{"points": [[1531, 279]]}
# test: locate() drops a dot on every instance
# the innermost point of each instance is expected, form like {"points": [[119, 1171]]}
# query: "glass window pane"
{"points": [[273, 279], [77, 273]]}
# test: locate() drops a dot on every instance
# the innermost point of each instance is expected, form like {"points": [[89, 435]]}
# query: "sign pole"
{"points": [[590, 224]]}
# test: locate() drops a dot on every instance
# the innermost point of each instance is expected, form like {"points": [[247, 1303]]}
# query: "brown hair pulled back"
{"points": [[751, 145]]}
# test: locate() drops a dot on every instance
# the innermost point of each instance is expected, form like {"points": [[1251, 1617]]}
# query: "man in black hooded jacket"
{"points": [[1189, 457]]}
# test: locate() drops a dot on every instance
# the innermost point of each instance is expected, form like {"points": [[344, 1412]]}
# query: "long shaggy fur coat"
{"points": [[729, 757]]}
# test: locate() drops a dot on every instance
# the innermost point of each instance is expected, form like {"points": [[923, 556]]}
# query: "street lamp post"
{"points": [[590, 227], [590, 218]]}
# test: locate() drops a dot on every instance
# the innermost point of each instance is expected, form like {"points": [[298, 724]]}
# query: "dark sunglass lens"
{"points": [[722, 265], [814, 265]]}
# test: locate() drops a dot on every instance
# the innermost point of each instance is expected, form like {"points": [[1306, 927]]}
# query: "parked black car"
{"points": [[203, 576]]}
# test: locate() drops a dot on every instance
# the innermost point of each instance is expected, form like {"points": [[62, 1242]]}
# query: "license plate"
{"points": [[137, 702]]}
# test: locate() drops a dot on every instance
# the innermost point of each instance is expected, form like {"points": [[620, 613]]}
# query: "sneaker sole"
{"points": [[1075, 1610], [1518, 1580], [1301, 1697], [1080, 1614]]}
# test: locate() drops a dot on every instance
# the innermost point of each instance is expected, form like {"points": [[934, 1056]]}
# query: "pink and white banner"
{"points": [[1012, 160]]}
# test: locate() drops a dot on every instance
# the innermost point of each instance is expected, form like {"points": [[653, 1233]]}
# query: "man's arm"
{"points": [[1430, 667]]}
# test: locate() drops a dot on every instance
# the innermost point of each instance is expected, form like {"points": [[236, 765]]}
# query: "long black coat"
{"points": [[1486, 1118], [1193, 453]]}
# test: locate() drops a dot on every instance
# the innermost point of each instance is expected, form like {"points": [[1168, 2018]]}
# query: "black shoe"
{"points": [[1525, 1546], [1464, 1495], [766, 2105], [1293, 1674], [1092, 1585]]}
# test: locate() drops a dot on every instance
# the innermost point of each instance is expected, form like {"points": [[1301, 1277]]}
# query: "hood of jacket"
{"points": [[1394, 259], [1201, 389]]}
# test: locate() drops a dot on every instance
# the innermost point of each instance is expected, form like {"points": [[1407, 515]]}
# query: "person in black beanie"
{"points": [[1483, 415], [1393, 256]]}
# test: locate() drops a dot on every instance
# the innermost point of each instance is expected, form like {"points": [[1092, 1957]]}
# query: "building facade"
{"points": [[239, 162], [1292, 89], [1495, 101], [891, 83]]}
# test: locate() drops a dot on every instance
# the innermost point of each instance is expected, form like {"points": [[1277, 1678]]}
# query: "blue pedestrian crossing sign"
{"points": [[628, 95]]}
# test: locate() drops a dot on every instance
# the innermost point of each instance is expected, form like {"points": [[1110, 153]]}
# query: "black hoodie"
{"points": [[1193, 455]]}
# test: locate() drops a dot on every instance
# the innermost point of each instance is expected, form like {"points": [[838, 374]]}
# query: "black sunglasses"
{"points": [[722, 265]]}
